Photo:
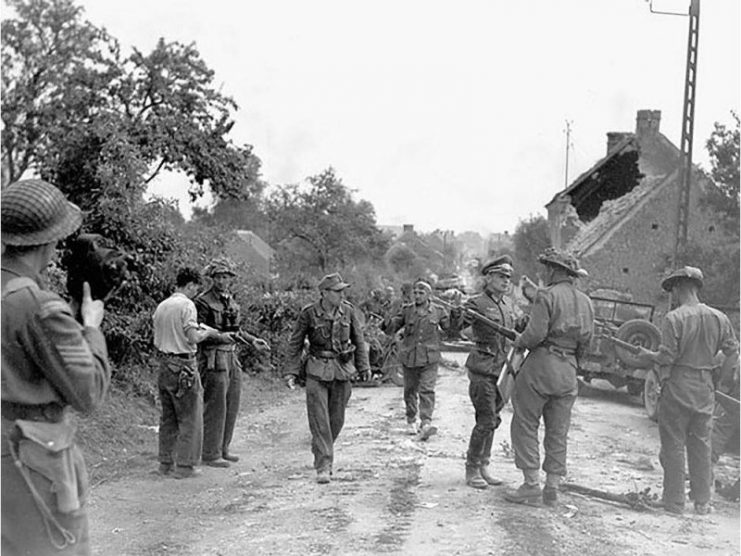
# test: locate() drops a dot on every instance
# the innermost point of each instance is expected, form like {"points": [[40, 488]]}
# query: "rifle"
{"points": [[623, 344], [506, 380], [729, 403], [495, 326]]}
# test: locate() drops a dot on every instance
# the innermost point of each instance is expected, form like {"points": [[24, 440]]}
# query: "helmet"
{"points": [[35, 212]]}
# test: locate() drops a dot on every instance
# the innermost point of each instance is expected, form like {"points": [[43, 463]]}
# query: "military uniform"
{"points": [[559, 331], [221, 372], [50, 363], [419, 355], [692, 335], [484, 364], [337, 352]]}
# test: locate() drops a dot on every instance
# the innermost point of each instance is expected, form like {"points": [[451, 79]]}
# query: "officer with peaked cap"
{"points": [[220, 369], [484, 364], [558, 333], [51, 363], [692, 335], [337, 352]]}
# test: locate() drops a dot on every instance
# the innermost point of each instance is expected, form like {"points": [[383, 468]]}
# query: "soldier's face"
{"points": [[497, 282], [333, 297], [421, 296], [222, 281]]}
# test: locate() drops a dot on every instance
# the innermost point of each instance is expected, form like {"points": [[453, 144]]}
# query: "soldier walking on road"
{"points": [[692, 335], [421, 323], [176, 333], [221, 371], [50, 363], [337, 352], [559, 331], [484, 364]]}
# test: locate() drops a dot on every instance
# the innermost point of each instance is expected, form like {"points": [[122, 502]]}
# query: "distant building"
{"points": [[247, 247], [500, 242], [620, 216]]}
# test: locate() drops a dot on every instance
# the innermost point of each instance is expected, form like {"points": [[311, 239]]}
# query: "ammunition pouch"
{"points": [[347, 355], [49, 450]]}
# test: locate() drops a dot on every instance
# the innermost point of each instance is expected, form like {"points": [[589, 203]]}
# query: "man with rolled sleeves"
{"points": [[692, 335], [419, 354], [337, 352], [176, 335], [558, 333], [484, 363], [50, 365], [221, 371]]}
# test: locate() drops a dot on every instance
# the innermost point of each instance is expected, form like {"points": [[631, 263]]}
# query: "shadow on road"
{"points": [[603, 390]]}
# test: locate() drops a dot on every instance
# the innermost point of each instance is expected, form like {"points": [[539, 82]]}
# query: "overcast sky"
{"points": [[445, 115]]}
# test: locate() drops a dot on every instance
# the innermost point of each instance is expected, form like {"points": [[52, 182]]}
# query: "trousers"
{"points": [[181, 421], [685, 424], [487, 403], [222, 391], [325, 405], [545, 387], [419, 392]]}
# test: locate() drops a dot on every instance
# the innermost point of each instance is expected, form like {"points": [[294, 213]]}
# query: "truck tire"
{"points": [[651, 395], [639, 333]]}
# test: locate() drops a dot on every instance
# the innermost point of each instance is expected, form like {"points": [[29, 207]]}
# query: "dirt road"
{"points": [[394, 495]]}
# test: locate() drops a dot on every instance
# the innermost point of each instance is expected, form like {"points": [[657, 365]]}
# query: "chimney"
{"points": [[647, 123], [408, 228], [614, 138]]}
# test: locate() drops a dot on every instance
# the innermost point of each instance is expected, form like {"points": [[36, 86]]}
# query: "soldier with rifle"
{"points": [[485, 362], [559, 330], [221, 371]]}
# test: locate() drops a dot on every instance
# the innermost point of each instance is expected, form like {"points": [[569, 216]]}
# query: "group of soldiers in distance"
{"points": [[54, 360]]}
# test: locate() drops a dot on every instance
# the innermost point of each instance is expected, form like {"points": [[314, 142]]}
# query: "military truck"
{"points": [[630, 322]]}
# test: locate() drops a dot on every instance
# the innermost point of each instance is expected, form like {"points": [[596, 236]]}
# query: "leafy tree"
{"points": [[321, 227], [723, 148], [531, 238]]}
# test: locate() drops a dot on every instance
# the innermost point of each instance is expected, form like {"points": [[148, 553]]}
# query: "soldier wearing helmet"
{"points": [[218, 363], [50, 363], [692, 336], [559, 331]]}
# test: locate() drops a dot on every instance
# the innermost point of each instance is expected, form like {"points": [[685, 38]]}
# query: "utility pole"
{"points": [[688, 126], [568, 144]]}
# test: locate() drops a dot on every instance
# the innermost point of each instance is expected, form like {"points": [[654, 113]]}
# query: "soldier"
{"points": [[221, 371], [176, 333], [691, 337], [336, 352], [559, 331], [50, 363], [484, 364], [419, 355]]}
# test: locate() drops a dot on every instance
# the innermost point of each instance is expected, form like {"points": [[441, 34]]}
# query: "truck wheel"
{"points": [[651, 395], [639, 333], [391, 366]]}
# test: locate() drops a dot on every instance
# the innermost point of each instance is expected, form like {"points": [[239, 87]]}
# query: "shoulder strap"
{"points": [[19, 283]]}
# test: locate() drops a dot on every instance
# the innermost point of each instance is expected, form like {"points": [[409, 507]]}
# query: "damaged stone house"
{"points": [[620, 216]]}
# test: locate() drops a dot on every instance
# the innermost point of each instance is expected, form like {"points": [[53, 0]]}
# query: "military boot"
{"points": [[525, 494], [488, 477], [474, 478]]}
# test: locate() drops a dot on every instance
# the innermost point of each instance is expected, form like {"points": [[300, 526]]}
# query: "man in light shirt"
{"points": [[176, 333]]}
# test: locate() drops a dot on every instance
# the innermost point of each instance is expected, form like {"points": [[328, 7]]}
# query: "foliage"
{"points": [[720, 267], [723, 148], [320, 227], [531, 238]]}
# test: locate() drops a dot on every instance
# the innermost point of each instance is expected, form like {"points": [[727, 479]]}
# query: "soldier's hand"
{"points": [[261, 345], [366, 375], [291, 382], [92, 310]]}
